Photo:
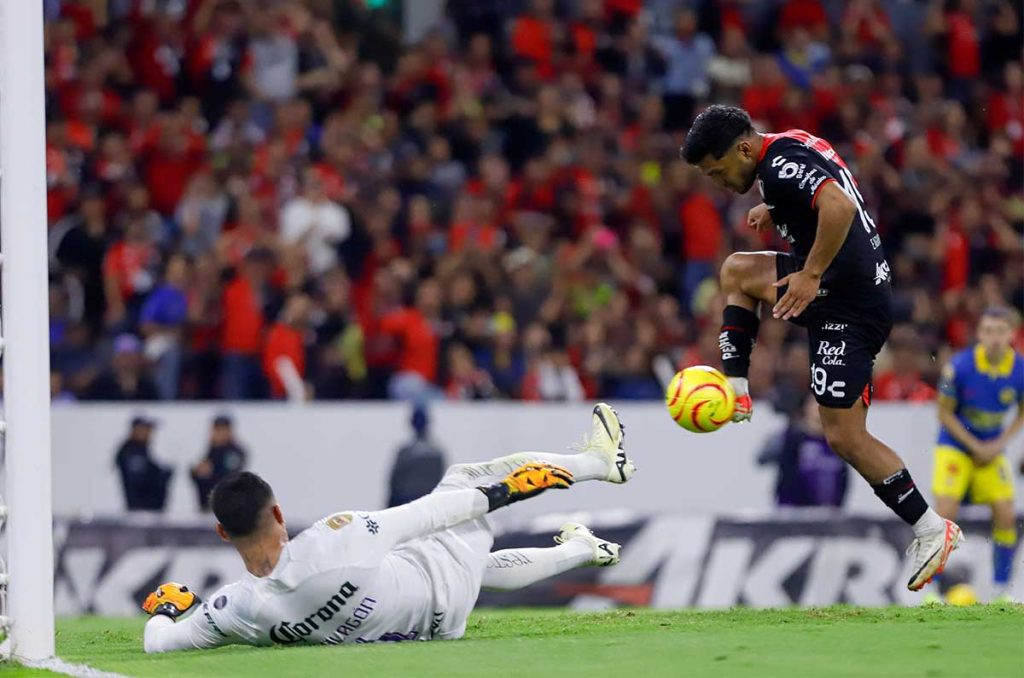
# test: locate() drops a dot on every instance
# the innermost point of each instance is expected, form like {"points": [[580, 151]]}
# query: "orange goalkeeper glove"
{"points": [[526, 481], [171, 600]]}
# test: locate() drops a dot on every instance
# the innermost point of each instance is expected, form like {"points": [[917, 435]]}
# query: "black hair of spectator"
{"points": [[714, 131], [238, 501]]}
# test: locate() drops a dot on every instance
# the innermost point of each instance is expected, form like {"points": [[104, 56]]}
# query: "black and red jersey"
{"points": [[792, 170]]}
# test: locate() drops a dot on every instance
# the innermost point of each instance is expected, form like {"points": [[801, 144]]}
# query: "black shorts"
{"points": [[843, 337]]}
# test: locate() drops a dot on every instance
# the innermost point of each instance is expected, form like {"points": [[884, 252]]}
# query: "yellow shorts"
{"points": [[955, 472]]}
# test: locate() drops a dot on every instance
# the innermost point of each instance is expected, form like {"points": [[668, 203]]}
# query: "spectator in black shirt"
{"points": [[419, 465], [224, 456], [126, 379], [144, 480]]}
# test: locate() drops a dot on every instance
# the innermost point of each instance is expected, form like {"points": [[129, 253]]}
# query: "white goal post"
{"points": [[24, 306]]}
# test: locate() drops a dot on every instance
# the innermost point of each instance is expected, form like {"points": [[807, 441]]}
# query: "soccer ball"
{"points": [[700, 399]]}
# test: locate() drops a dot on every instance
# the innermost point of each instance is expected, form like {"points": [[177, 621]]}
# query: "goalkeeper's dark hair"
{"points": [[238, 501], [714, 132]]}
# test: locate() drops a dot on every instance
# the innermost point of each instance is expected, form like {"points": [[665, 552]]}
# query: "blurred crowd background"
{"points": [[276, 198]]}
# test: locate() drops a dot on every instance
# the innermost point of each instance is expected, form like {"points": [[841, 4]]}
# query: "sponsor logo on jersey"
{"points": [[831, 354], [1007, 395], [876, 242], [882, 273], [359, 615], [209, 618], [372, 526], [807, 178], [288, 632], [220, 603], [783, 230], [338, 520], [834, 327], [790, 170]]}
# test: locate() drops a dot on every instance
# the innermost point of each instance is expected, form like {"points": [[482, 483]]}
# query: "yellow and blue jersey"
{"points": [[981, 392]]}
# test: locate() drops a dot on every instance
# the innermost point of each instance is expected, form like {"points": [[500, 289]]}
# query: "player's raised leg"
{"points": [[747, 279], [935, 537], [602, 457], [512, 569]]}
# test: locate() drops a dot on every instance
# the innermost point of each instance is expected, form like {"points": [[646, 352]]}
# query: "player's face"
{"points": [[736, 170], [994, 334]]}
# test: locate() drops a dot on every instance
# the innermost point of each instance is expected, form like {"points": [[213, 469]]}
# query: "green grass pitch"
{"points": [[982, 641]]}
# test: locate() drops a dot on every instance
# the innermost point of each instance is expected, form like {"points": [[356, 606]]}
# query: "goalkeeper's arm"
{"points": [[172, 628]]}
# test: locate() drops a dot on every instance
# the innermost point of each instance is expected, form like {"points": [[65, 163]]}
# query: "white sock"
{"points": [[739, 385], [512, 569], [928, 523], [582, 466]]}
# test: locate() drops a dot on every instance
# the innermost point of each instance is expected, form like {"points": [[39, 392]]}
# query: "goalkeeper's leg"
{"points": [[601, 458], [512, 569]]}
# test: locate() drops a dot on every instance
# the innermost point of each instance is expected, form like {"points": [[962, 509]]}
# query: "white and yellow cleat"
{"points": [[605, 552], [931, 553], [607, 434]]}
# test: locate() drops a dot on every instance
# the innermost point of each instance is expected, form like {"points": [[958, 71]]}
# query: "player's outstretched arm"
{"points": [[170, 626]]}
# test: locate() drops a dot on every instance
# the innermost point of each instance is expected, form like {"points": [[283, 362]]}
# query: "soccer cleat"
{"points": [[744, 403], [605, 552], [606, 442], [931, 553], [744, 408]]}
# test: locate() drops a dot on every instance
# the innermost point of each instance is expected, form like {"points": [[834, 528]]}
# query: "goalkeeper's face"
{"points": [[736, 170]]}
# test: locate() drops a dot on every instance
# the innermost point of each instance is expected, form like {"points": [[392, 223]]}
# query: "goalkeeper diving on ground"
{"points": [[412, 572]]}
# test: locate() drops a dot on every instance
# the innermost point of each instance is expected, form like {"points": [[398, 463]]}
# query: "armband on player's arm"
{"points": [[526, 481]]}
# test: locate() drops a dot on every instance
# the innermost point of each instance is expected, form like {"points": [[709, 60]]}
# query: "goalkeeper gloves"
{"points": [[526, 481], [171, 600]]}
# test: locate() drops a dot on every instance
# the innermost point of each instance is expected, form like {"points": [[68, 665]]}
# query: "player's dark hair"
{"points": [[714, 132], [238, 501]]}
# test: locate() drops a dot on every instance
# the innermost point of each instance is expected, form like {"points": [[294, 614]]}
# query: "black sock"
{"points": [[739, 333], [899, 493]]}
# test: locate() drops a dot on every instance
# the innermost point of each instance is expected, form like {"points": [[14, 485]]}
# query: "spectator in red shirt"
{"points": [[534, 36], [701, 226], [807, 14], [963, 49], [1006, 108], [412, 329], [903, 380], [129, 271], [242, 341], [176, 157], [284, 357]]}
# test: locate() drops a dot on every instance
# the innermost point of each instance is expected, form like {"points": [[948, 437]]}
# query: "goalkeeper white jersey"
{"points": [[352, 577]]}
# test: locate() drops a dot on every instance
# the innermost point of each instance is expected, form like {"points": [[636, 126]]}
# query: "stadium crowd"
{"points": [[254, 199]]}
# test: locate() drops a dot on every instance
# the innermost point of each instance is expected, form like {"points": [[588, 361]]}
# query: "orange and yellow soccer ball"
{"points": [[700, 399]]}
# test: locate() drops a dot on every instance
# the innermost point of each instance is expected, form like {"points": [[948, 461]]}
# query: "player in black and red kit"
{"points": [[836, 283]]}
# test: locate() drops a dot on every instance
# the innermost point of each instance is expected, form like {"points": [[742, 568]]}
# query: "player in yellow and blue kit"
{"points": [[978, 387]]}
